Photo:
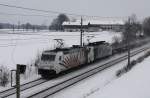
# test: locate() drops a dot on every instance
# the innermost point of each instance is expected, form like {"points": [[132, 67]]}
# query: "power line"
{"points": [[2, 13], [34, 34], [18, 44], [47, 35], [23, 39], [39, 10], [53, 12], [41, 35]]}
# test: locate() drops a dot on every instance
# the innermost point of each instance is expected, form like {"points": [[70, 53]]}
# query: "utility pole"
{"points": [[13, 27], [18, 25], [18, 81], [128, 52], [81, 31], [129, 30]]}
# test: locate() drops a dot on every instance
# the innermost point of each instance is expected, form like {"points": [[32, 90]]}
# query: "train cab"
{"points": [[49, 63]]}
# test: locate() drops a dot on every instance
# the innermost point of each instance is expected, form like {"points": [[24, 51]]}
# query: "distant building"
{"points": [[95, 25]]}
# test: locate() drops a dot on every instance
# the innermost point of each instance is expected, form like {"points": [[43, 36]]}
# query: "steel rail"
{"points": [[23, 87]]}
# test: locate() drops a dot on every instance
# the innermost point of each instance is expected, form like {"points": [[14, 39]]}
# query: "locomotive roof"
{"points": [[64, 49], [75, 47]]}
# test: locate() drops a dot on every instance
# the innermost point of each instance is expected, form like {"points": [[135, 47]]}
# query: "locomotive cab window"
{"points": [[48, 57]]}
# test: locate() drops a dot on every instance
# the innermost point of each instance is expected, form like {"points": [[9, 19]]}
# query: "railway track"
{"points": [[23, 87], [60, 86]]}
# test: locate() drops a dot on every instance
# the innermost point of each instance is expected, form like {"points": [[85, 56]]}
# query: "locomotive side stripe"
{"points": [[63, 65], [67, 61]]}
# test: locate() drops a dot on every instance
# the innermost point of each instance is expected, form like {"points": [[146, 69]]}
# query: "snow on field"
{"points": [[24, 46], [134, 84]]}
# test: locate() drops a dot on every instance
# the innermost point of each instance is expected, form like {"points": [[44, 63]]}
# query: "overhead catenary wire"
{"points": [[42, 34], [46, 35], [33, 34], [44, 41], [22, 39], [29, 39], [18, 44]]}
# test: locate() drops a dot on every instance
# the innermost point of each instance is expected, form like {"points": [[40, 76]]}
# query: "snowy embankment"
{"points": [[94, 86], [134, 84], [24, 46]]}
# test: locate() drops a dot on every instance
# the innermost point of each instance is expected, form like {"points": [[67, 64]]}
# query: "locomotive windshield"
{"points": [[48, 57]]}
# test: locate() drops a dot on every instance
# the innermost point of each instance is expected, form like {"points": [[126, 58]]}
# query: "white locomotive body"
{"points": [[53, 62]]}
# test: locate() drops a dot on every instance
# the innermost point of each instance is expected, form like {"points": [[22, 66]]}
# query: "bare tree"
{"points": [[131, 27], [129, 34], [146, 26], [57, 23], [1, 26]]}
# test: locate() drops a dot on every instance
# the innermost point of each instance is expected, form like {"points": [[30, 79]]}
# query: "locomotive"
{"points": [[53, 62]]}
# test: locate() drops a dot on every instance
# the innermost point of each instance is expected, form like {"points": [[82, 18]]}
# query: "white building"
{"points": [[95, 25]]}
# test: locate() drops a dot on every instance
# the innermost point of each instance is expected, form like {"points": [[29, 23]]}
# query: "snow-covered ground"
{"points": [[23, 47], [105, 84], [27, 46], [134, 84], [80, 89]]}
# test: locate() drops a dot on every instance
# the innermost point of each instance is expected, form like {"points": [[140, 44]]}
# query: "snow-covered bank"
{"points": [[134, 84], [93, 84]]}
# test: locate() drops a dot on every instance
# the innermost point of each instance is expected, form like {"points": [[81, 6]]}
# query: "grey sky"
{"points": [[104, 8]]}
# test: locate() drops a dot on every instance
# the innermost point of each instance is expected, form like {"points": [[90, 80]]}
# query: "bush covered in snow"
{"points": [[4, 76], [132, 64]]}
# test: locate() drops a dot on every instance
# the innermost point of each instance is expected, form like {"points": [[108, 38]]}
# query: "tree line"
{"points": [[132, 26], [26, 26], [55, 25]]}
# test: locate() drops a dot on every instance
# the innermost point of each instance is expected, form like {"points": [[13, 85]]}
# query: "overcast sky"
{"points": [[103, 8]]}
